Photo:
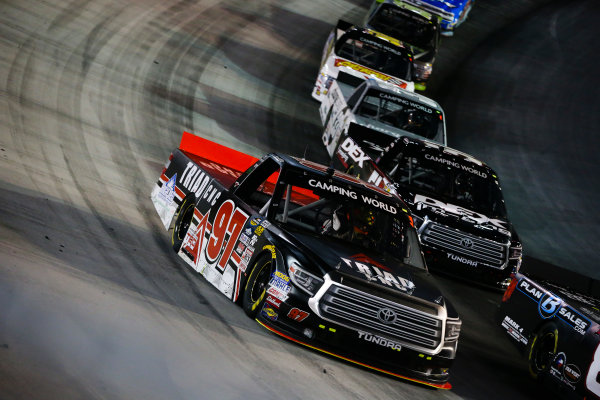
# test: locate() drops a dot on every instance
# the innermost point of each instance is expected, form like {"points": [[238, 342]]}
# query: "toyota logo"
{"points": [[466, 243], [386, 315]]}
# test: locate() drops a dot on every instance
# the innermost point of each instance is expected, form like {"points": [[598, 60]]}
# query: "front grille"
{"points": [[359, 310], [473, 247]]}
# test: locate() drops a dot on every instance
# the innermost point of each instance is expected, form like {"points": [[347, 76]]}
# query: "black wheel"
{"points": [[183, 222], [542, 349], [256, 285]]}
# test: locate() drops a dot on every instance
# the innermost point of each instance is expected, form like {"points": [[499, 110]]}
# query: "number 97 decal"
{"points": [[228, 221]]}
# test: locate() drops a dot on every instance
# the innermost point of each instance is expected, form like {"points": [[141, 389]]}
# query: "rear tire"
{"points": [[256, 286], [183, 222], [542, 349]]}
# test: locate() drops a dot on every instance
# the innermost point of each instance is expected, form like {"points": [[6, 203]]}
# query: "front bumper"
{"points": [[458, 266], [295, 321]]}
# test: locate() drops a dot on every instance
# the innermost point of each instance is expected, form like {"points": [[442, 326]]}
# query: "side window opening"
{"points": [[258, 187]]}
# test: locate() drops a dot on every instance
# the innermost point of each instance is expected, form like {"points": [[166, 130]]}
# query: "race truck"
{"points": [[314, 255], [352, 54], [455, 199], [452, 12], [416, 28], [379, 112], [558, 330]]}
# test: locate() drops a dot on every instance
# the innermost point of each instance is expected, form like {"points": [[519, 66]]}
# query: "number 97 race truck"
{"points": [[316, 256]]}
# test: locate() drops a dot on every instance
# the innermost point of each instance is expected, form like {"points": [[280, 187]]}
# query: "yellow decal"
{"points": [[357, 67], [282, 276], [271, 248]]}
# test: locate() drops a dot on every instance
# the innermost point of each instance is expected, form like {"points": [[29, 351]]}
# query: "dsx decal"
{"points": [[424, 202]]}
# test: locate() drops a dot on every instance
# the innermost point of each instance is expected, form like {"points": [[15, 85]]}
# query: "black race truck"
{"points": [[316, 256]]}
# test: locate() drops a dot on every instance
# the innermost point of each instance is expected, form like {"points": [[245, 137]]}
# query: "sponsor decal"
{"points": [[281, 295], [253, 240], [167, 191], [195, 180], [241, 247], [271, 248], [572, 373], [462, 259], [406, 102], [574, 319], [374, 273], [354, 151], [269, 312], [550, 306], [456, 165], [297, 315], [353, 195], [246, 258], [381, 181], [531, 289], [281, 275], [514, 330], [275, 302], [568, 374], [379, 341], [281, 284], [369, 72], [258, 225], [244, 239], [441, 208]]}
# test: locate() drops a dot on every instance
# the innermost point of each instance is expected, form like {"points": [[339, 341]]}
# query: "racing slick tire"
{"points": [[183, 222], [542, 349], [256, 285]]}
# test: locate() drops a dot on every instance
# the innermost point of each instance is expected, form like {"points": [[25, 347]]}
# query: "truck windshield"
{"points": [[457, 183], [350, 214], [368, 52], [402, 113], [404, 25]]}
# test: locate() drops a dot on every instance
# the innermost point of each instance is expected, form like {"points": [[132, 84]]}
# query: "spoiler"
{"points": [[215, 152]]}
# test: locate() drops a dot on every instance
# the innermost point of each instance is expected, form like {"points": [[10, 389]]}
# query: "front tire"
{"points": [[182, 223], [256, 286], [542, 349]]}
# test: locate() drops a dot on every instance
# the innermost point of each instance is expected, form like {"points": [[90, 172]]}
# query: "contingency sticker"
{"points": [[163, 200], [514, 330]]}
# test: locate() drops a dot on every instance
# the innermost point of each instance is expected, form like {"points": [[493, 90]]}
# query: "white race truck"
{"points": [[352, 54], [380, 107]]}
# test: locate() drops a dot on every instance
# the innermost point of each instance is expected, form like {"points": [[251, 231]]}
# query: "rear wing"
{"points": [[203, 150]]}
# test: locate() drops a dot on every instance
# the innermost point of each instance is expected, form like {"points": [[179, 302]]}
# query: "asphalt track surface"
{"points": [[95, 94]]}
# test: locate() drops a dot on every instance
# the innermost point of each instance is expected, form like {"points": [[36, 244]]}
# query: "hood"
{"points": [[457, 217], [339, 64], [341, 259]]}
